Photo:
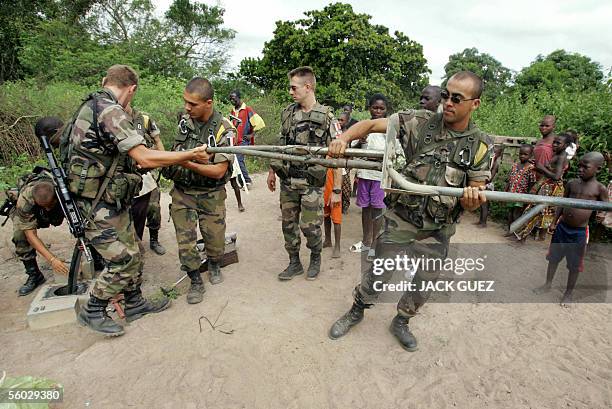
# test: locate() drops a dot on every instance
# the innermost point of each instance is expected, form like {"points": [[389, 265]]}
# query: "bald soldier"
{"points": [[430, 98], [198, 196], [104, 156], [443, 149]]}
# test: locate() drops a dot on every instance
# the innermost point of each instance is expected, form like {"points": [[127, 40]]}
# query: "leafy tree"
{"points": [[350, 56], [189, 40], [61, 51], [21, 17], [560, 70], [495, 76]]}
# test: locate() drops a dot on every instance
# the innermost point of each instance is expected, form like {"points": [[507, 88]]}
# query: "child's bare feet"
{"points": [[336, 253], [327, 243], [241, 208], [543, 289]]}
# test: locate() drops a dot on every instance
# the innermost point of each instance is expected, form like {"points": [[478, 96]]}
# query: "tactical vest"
{"points": [[312, 130], [86, 170], [435, 156], [189, 138]]}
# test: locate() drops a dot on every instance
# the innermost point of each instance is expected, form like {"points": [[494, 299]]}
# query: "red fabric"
{"points": [[244, 115]]}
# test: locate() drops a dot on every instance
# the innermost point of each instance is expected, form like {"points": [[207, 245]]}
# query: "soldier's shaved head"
{"points": [[200, 87], [44, 193], [477, 85], [305, 74], [594, 157]]}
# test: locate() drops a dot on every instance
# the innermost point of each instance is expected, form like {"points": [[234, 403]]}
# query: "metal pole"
{"points": [[330, 163], [303, 150], [415, 188], [525, 217]]}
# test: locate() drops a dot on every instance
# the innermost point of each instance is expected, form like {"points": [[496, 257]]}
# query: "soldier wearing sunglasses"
{"points": [[443, 149]]}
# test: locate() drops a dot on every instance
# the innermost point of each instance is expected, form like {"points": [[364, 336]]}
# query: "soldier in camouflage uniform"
{"points": [[443, 149], [36, 208], [305, 122], [146, 204], [198, 196], [101, 152]]}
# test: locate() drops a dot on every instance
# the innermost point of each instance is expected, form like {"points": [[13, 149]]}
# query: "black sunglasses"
{"points": [[455, 98]]}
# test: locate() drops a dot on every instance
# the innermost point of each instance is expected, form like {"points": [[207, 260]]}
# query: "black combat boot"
{"points": [[154, 242], [94, 315], [314, 267], [136, 306], [214, 272], [35, 277], [195, 294], [293, 269], [399, 328], [350, 319]]}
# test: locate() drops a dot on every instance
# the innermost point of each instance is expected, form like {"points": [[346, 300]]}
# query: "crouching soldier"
{"points": [[36, 208]]}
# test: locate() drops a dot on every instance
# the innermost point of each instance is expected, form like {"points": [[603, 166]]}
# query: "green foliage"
{"points": [[558, 71], [495, 76], [190, 40], [61, 51], [351, 57], [22, 164], [21, 17]]}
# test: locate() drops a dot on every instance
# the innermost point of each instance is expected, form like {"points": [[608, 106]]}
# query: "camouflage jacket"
{"points": [[435, 155], [193, 133], [93, 151], [27, 215]]}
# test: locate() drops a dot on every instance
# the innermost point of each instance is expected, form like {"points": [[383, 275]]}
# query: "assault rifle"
{"points": [[6, 208], [76, 221]]}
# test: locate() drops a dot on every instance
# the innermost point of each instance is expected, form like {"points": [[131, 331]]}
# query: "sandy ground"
{"points": [[279, 355]]}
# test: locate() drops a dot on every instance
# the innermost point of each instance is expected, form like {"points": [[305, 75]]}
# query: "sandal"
{"points": [[359, 247]]}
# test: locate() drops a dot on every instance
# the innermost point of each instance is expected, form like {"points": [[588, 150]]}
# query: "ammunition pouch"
{"points": [[85, 176], [410, 215], [280, 168], [316, 174], [298, 173], [122, 189]]}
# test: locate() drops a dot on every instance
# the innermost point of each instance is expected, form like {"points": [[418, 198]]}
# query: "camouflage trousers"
{"points": [[154, 211], [206, 209], [23, 249], [402, 237], [302, 209], [112, 235]]}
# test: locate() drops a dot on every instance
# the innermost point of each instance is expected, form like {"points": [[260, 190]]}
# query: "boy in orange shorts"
{"points": [[332, 210]]}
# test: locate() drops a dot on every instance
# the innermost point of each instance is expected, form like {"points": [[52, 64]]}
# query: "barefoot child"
{"points": [[370, 195], [332, 210], [571, 225], [550, 185], [520, 179]]}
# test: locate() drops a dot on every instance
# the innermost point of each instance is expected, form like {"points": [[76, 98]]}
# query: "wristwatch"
{"points": [[337, 191]]}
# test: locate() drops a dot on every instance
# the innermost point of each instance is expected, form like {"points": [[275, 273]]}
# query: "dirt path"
{"points": [[279, 355]]}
